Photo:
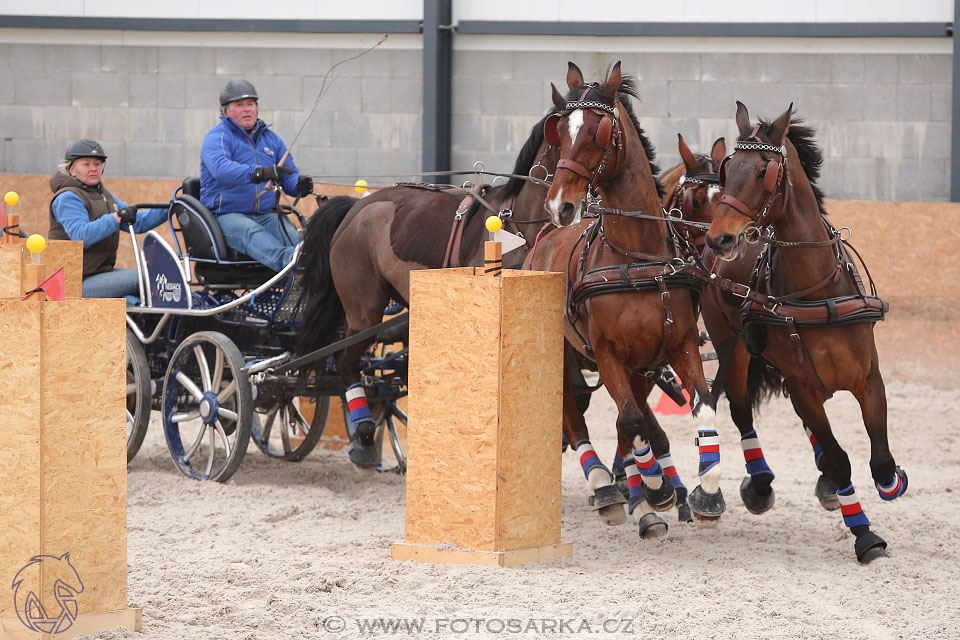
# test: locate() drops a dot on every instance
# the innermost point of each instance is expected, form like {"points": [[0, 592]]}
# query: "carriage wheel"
{"points": [[207, 407], [138, 395], [281, 431]]}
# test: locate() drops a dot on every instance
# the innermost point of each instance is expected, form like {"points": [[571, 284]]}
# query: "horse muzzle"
{"points": [[727, 246], [563, 213]]}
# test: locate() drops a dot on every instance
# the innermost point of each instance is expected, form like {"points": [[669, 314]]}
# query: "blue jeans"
{"points": [[260, 236], [119, 283]]}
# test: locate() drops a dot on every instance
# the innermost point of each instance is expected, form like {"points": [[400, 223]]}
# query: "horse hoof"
{"points": [[826, 492], [755, 502], [612, 514], [608, 502], [663, 498], [683, 512], [707, 507], [364, 457], [652, 526], [869, 546]]}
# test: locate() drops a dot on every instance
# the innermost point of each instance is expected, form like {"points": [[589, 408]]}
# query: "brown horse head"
{"points": [[753, 179], [588, 131], [693, 186]]}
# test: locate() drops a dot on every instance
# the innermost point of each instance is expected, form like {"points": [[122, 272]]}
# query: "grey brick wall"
{"points": [[883, 121], [151, 106]]}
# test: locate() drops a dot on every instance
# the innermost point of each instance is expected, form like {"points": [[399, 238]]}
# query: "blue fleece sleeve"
{"points": [[148, 219], [216, 155], [69, 211]]}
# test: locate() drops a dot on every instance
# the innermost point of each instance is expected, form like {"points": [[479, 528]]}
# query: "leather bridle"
{"points": [[773, 180]]}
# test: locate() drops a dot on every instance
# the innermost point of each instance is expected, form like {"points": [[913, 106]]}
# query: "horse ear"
{"points": [[574, 76], [719, 150], [780, 128], [614, 79], [743, 118], [558, 100], [686, 155]]}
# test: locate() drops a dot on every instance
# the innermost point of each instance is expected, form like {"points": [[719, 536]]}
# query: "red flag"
{"points": [[55, 286]]}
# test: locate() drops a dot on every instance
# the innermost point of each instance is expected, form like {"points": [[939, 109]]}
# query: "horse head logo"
{"points": [[47, 605]]}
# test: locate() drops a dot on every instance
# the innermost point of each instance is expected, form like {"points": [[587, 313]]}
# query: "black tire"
{"points": [[138, 395], [280, 430], [206, 397]]}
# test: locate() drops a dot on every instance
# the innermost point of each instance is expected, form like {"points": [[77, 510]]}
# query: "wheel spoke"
{"points": [[223, 437], [213, 450], [227, 413], [227, 391], [297, 417], [189, 385], [183, 417], [131, 388], [268, 426], [196, 443], [217, 371], [129, 417], [204, 366], [285, 429]]}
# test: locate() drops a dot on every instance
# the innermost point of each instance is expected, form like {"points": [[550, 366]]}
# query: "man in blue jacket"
{"points": [[239, 157]]}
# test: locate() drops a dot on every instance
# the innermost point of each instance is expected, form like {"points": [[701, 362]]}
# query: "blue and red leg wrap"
{"points": [[589, 460], [647, 464], [817, 451], [893, 490], [709, 444], [666, 463], [853, 515], [357, 405], [753, 455]]}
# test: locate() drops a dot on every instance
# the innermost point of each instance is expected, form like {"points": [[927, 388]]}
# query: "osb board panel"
{"points": [[451, 435], [62, 253], [20, 501], [85, 474], [425, 553], [85, 624], [10, 272], [35, 196], [910, 248], [531, 398]]}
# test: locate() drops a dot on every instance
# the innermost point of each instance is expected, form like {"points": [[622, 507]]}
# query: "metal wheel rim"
{"points": [[279, 430]]}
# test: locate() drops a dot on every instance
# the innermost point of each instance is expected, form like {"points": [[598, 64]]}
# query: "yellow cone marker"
{"points": [[12, 198], [35, 245], [360, 186], [494, 224]]}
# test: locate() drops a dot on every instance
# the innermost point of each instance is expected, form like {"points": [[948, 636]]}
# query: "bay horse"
{"points": [[692, 188], [358, 254], [628, 308], [790, 303]]}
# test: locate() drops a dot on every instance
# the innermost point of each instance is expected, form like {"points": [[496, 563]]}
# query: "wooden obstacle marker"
{"points": [[484, 432]]}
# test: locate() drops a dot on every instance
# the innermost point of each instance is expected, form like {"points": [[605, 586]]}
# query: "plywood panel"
{"points": [[10, 271], [20, 499], [454, 337], [531, 401], [63, 253], [84, 478]]}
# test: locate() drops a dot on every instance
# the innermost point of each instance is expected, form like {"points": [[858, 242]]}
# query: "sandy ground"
{"points": [[302, 550]]}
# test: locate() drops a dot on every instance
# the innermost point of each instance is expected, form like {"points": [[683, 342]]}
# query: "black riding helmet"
{"points": [[84, 148], [237, 90]]}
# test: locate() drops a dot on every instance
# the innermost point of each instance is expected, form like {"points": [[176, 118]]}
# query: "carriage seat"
{"points": [[214, 262]]}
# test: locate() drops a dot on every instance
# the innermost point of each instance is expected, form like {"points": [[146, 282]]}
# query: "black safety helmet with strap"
{"points": [[237, 90], [84, 148]]}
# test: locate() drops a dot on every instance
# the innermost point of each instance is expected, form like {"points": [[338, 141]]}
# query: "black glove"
{"points": [[304, 186], [128, 215], [262, 174]]}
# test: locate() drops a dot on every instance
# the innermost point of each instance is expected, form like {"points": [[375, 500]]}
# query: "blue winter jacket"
{"points": [[227, 161]]}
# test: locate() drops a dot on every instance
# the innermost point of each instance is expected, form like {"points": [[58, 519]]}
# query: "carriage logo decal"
{"points": [[167, 291], [49, 606]]}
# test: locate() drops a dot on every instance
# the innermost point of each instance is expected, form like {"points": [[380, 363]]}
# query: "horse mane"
{"points": [[628, 89], [528, 155], [801, 135], [671, 177]]}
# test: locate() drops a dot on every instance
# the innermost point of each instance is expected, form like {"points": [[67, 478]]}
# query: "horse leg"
{"points": [[808, 404], [890, 480], [706, 501], [607, 500], [669, 470], [755, 489]]}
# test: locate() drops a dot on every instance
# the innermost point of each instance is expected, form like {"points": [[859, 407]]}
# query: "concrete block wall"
{"points": [[882, 120], [150, 106]]}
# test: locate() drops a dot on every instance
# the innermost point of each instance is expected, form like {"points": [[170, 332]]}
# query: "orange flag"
{"points": [[55, 286]]}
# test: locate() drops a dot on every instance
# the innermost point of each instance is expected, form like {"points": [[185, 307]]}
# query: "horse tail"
{"points": [[322, 309], [763, 381]]}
